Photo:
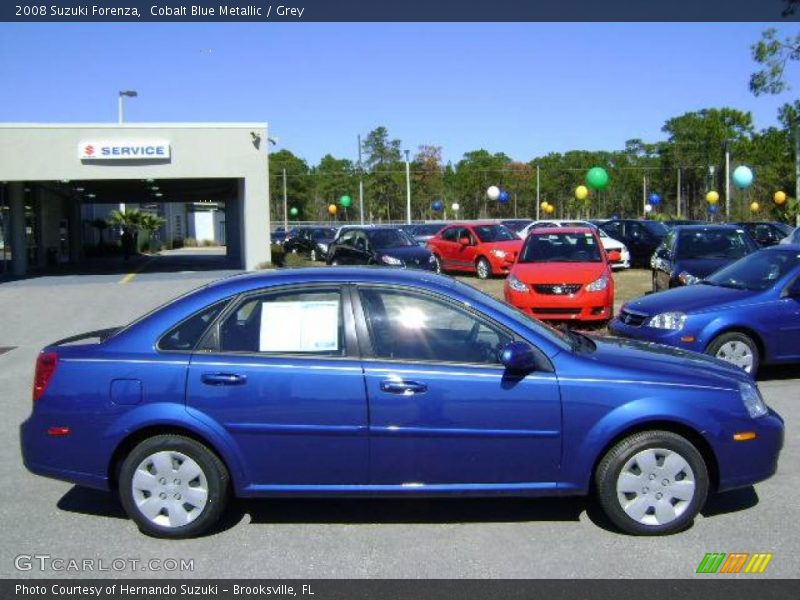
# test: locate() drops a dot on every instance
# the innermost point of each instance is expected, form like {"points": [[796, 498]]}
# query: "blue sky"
{"points": [[525, 89]]}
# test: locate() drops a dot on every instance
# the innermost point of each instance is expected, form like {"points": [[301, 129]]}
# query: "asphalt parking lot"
{"points": [[458, 538]]}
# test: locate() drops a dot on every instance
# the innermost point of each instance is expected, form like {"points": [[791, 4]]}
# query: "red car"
{"points": [[483, 248], [563, 274]]}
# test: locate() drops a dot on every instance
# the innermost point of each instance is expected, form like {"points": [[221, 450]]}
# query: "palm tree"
{"points": [[151, 223], [130, 222]]}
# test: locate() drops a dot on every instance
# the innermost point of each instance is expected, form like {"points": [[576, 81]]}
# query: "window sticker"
{"points": [[306, 326]]}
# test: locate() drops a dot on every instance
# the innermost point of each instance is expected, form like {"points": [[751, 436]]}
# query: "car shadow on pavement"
{"points": [[87, 501], [777, 372], [730, 502]]}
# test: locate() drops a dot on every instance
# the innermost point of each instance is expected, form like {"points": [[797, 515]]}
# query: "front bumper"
{"points": [[683, 338], [582, 306], [745, 463]]}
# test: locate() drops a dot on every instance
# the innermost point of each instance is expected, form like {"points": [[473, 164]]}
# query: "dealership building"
{"points": [[208, 181]]}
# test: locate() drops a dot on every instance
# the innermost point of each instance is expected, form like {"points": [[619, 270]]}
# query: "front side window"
{"points": [[414, 327], [290, 322]]}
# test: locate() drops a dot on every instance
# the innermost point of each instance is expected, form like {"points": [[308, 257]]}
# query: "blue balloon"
{"points": [[712, 209], [503, 197], [437, 205], [654, 199]]}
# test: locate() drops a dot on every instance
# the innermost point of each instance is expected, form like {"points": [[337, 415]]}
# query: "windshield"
{"points": [[756, 272], [326, 232], [711, 243], [560, 247], [784, 228], [389, 238], [494, 233], [517, 225], [656, 228], [552, 334]]}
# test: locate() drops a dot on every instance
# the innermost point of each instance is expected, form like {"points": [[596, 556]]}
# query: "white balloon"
{"points": [[493, 192], [455, 206], [648, 208]]}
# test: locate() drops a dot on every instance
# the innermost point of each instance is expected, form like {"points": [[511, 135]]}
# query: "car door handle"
{"points": [[404, 388], [223, 379]]}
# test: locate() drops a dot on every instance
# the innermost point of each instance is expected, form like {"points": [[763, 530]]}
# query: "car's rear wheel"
{"points": [[173, 486], [483, 268], [737, 348], [652, 483]]}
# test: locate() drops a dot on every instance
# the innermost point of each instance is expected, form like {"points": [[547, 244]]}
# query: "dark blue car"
{"points": [[370, 381], [747, 313], [691, 252]]}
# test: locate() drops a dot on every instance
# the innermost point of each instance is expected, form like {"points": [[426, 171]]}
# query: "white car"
{"points": [[609, 243], [792, 238]]}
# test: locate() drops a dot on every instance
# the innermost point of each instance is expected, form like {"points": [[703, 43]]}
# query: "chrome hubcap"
{"points": [[170, 489], [483, 270], [737, 353], [655, 486]]}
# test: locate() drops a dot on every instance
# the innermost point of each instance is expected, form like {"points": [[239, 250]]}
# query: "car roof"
{"points": [[714, 226], [556, 230]]}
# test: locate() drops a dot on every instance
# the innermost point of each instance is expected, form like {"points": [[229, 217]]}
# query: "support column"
{"points": [[254, 232], [19, 249], [75, 230]]}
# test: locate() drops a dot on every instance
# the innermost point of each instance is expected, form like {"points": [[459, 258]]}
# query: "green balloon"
{"points": [[345, 201], [293, 211], [597, 178]]}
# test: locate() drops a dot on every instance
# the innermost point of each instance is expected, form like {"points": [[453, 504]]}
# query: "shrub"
{"points": [[190, 242], [278, 255], [294, 260]]}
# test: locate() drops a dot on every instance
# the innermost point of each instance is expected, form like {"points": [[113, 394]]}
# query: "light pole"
{"points": [[122, 94], [797, 171], [408, 190], [360, 183], [727, 180]]}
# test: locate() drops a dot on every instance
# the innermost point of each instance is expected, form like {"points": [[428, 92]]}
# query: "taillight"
{"points": [[45, 369]]}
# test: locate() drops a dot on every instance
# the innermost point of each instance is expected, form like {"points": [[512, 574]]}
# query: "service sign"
{"points": [[124, 150]]}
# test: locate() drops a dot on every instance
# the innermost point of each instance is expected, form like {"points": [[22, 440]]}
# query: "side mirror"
{"points": [[518, 356], [614, 256], [464, 241]]}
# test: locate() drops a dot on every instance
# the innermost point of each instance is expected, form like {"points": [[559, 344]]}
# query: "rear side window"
{"points": [[185, 336]]}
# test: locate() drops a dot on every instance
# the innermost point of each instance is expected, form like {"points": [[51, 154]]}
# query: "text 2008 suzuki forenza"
{"points": [[386, 382]]}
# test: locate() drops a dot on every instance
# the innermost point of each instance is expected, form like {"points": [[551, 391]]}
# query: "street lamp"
{"points": [[408, 190], [122, 94]]}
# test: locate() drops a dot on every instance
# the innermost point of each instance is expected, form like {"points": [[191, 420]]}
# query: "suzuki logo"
{"points": [[88, 150]]}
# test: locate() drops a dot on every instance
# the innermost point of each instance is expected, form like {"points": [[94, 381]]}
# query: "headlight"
{"points": [[431, 259], [751, 398], [499, 253], [391, 260], [669, 320], [687, 278], [516, 285], [598, 285]]}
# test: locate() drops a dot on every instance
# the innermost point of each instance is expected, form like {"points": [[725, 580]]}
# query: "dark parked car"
{"points": [[678, 222], [747, 313], [278, 236], [388, 246], [766, 233], [311, 241], [368, 382], [422, 232], [641, 237], [691, 252]]}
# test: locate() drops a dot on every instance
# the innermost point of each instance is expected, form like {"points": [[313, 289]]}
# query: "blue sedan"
{"points": [[747, 313], [370, 381]]}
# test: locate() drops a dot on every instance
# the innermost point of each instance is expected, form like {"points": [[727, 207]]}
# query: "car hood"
{"points": [[558, 272], [690, 298], [666, 363], [701, 267], [406, 253]]}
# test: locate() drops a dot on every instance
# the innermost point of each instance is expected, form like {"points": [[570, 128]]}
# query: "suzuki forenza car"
{"points": [[378, 381]]}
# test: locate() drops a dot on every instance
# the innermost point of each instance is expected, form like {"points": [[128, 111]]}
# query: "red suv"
{"points": [[563, 274], [483, 248]]}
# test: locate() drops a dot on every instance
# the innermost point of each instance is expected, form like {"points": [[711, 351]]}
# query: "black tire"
{"points": [[608, 473], [483, 269], [212, 468], [733, 338], [438, 261]]}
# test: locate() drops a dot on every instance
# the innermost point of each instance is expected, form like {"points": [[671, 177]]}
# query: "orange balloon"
{"points": [[332, 209]]}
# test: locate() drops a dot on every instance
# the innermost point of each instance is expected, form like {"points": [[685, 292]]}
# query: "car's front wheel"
{"points": [[437, 263], [736, 348], [483, 268], [173, 486], [313, 255], [652, 483]]}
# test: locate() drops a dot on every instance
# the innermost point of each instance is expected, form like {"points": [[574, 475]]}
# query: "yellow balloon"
{"points": [[754, 207], [779, 197], [332, 209], [549, 209], [581, 192], [544, 205], [712, 197]]}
